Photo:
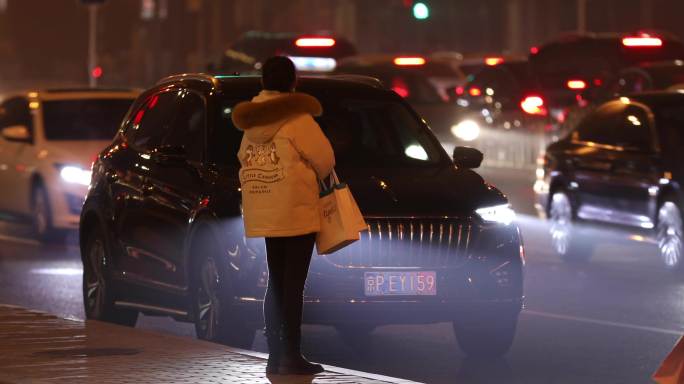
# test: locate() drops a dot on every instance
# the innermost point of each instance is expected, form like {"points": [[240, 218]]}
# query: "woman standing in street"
{"points": [[283, 155]]}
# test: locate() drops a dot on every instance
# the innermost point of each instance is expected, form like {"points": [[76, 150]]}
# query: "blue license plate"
{"points": [[415, 283]]}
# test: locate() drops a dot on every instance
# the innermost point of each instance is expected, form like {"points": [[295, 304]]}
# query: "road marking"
{"points": [[19, 240], [604, 322]]}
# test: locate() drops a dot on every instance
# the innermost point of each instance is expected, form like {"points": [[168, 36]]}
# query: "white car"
{"points": [[48, 141]]}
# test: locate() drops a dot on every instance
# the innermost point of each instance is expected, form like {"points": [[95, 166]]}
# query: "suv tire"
{"points": [[213, 307], [98, 298], [567, 240], [669, 235]]}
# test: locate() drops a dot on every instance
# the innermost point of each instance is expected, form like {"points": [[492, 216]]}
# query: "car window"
{"points": [[152, 120], [635, 130], [601, 125], [187, 128], [83, 119], [414, 89], [16, 111], [224, 140], [377, 133]]}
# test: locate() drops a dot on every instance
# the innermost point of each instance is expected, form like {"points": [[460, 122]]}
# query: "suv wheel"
{"points": [[98, 299], [669, 235], [489, 337], [566, 238], [213, 304]]}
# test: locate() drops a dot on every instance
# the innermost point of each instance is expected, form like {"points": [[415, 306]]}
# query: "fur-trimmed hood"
{"points": [[262, 117]]}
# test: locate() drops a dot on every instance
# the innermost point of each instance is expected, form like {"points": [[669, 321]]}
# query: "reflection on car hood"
{"points": [[441, 191], [75, 152]]}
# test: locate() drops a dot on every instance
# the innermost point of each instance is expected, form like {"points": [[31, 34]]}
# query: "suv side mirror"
{"points": [[467, 157], [17, 133], [170, 154]]}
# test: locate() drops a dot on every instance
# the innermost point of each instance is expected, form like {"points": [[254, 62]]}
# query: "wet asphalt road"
{"points": [[611, 320]]}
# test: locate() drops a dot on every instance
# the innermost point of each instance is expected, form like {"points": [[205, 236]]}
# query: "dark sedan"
{"points": [[162, 233], [621, 166]]}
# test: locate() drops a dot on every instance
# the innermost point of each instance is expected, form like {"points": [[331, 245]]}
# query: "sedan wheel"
{"points": [[669, 235]]}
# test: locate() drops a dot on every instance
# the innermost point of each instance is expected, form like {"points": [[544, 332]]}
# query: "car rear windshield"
{"points": [[83, 119], [665, 77]]}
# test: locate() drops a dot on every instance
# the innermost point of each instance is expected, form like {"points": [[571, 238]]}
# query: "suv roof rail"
{"points": [[361, 79], [188, 76]]}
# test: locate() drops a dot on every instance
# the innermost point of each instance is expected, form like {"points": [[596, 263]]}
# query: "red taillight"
{"points": [[598, 82], [315, 42], [400, 87], [494, 60], [459, 90], [534, 50], [409, 61], [642, 41], [576, 84], [474, 91], [534, 105]]}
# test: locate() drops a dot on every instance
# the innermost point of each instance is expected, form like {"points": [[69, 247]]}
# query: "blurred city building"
{"points": [[45, 42]]}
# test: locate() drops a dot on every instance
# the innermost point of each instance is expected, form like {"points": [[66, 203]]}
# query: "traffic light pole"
{"points": [[92, 44]]}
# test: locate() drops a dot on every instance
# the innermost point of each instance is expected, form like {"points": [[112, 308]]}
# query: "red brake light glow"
{"points": [[459, 90], [494, 60], [576, 84], [474, 91], [315, 42], [400, 87], [534, 105], [534, 50], [409, 61], [642, 41]]}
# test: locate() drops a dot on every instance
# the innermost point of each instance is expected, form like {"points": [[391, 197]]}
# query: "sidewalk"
{"points": [[36, 347]]}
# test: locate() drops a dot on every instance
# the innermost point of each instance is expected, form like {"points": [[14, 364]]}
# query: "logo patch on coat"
{"points": [[260, 155], [261, 166]]}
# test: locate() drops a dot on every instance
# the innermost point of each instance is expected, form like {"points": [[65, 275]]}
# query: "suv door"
{"points": [[591, 161], [633, 183], [175, 188], [129, 172]]}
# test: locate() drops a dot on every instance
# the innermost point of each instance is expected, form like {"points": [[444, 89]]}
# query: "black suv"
{"points": [[622, 165], [162, 232]]}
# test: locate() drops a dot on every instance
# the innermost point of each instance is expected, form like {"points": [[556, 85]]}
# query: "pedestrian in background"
{"points": [[283, 155]]}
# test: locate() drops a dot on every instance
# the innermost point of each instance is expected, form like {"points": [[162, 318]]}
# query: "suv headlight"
{"points": [[75, 174], [502, 214]]}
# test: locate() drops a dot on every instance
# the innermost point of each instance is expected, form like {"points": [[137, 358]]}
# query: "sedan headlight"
{"points": [[75, 175], [466, 130], [502, 214]]}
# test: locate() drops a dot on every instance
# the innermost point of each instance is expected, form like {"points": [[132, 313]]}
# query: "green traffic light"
{"points": [[421, 11]]}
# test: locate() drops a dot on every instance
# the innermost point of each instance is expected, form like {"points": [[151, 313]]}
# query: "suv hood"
{"points": [[442, 191]]}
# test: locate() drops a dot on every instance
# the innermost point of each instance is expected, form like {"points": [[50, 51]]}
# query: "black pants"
{"points": [[288, 265]]}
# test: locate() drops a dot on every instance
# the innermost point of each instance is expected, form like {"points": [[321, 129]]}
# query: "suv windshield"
{"points": [[363, 133], [83, 119], [377, 133]]}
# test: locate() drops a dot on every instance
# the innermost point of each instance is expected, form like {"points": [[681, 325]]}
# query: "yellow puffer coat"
{"points": [[282, 154]]}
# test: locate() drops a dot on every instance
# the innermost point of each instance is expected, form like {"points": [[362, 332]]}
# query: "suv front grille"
{"points": [[407, 243]]}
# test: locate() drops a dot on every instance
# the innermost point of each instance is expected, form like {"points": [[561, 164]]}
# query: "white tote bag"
{"points": [[341, 219]]}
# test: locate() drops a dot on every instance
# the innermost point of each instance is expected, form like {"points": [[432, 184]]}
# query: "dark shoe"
{"points": [[274, 351], [292, 362], [298, 365]]}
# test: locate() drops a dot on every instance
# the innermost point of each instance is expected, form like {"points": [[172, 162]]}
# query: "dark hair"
{"points": [[278, 74]]}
